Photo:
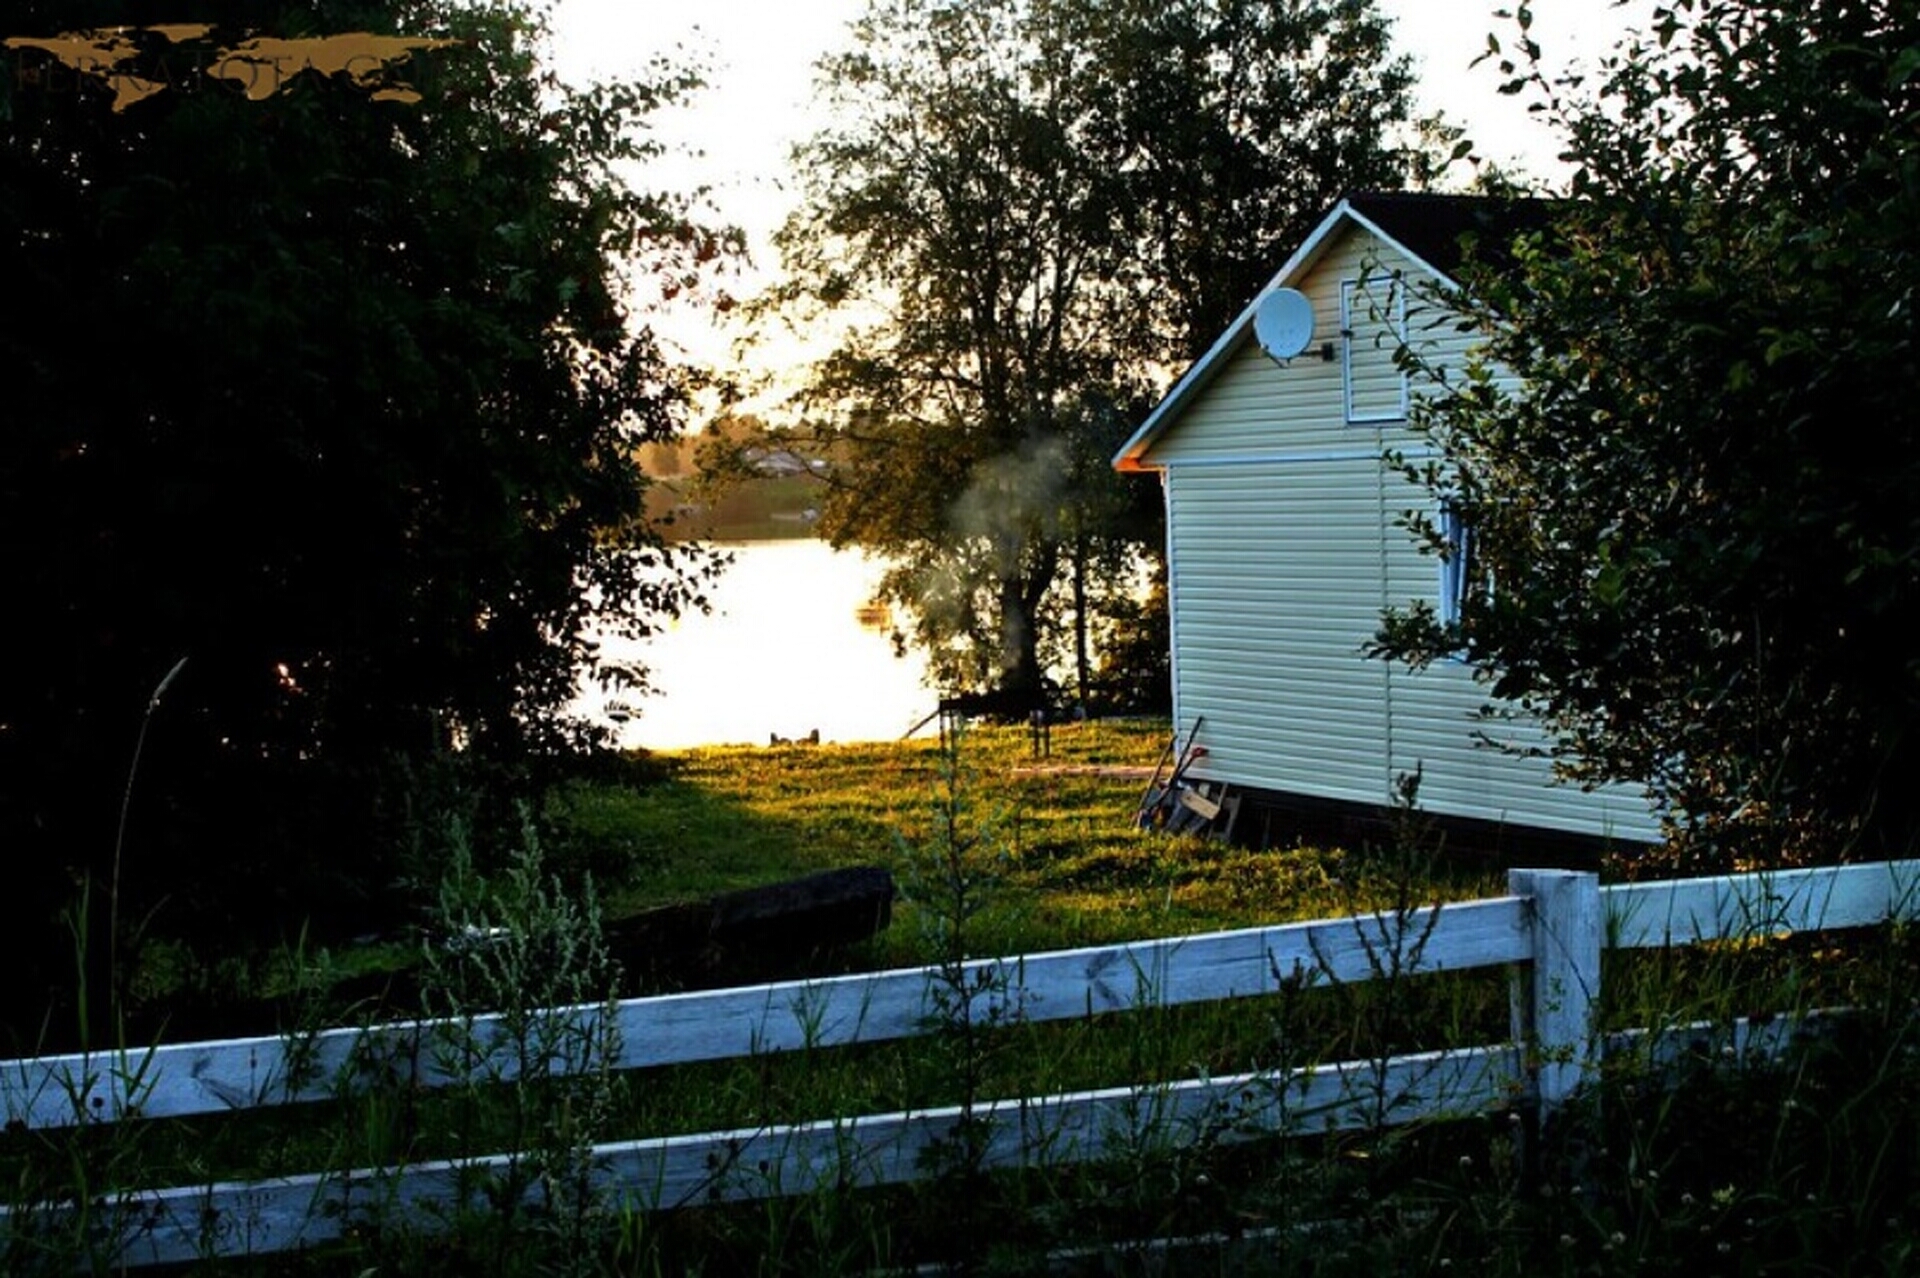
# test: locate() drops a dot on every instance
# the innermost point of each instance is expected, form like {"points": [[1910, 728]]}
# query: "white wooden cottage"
{"points": [[1284, 546]]}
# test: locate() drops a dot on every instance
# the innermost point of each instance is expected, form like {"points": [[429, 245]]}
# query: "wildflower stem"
{"points": [[120, 834]]}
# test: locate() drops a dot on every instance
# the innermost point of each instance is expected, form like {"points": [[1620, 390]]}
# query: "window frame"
{"points": [[1456, 568], [1396, 325]]}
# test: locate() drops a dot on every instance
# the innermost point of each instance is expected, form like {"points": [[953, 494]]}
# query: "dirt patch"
{"points": [[1116, 771]]}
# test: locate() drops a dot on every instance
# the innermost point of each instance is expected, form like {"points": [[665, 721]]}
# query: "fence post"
{"points": [[1554, 1017]]}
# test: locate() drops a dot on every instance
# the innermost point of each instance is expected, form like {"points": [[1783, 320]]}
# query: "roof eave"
{"points": [[1131, 457]]}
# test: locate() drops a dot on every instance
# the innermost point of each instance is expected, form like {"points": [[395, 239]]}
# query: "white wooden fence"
{"points": [[1551, 929]]}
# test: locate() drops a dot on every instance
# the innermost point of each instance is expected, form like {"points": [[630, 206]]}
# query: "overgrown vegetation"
{"points": [[729, 817], [999, 852], [362, 458], [1684, 457]]}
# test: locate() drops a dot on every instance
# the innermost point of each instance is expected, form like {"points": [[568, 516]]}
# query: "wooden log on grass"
{"points": [[758, 928]]}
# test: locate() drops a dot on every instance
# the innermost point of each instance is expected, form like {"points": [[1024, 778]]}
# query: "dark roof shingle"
{"points": [[1441, 229]]}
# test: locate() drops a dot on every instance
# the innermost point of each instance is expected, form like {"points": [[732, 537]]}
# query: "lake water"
{"points": [[784, 652]]}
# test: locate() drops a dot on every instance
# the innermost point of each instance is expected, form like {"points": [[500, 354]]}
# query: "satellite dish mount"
{"points": [[1283, 325]]}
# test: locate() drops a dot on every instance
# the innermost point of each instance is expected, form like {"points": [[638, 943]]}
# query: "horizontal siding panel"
{"points": [[1331, 653], [1278, 704], [1375, 386], [1261, 758], [1254, 403], [1329, 636], [1318, 487], [1435, 726], [1243, 410], [1290, 738], [1228, 596], [1321, 556], [1298, 550], [1331, 778], [1332, 579], [1270, 624], [1281, 702], [1269, 659], [1285, 550], [1334, 642], [1358, 449], [1327, 579], [1334, 674], [1266, 599]]}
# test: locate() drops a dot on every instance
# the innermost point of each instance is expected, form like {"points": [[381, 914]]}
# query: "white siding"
{"points": [[1276, 593], [1284, 548], [1373, 323], [1435, 721]]}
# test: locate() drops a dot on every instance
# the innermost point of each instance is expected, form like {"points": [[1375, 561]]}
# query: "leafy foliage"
{"points": [[1687, 454], [1227, 129], [1034, 210], [335, 396]]}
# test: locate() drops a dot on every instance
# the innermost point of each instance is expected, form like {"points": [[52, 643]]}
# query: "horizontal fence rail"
{"points": [[263, 1217], [200, 1078], [1683, 911], [1552, 929]]}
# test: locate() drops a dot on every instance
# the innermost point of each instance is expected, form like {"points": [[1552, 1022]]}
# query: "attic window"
{"points": [[1373, 325]]}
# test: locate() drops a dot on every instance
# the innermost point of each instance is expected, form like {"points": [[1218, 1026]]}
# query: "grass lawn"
{"points": [[999, 852], [1057, 832]]}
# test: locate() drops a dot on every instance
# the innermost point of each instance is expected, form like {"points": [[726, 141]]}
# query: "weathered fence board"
{"points": [[1683, 911], [1563, 982], [264, 1217], [1552, 928], [199, 1078], [1721, 1044]]}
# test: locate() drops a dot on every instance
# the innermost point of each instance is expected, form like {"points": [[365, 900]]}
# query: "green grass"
{"points": [[1816, 1169], [1076, 870]]}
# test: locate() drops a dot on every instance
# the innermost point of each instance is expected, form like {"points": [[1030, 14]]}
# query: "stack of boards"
{"points": [[1174, 805]]}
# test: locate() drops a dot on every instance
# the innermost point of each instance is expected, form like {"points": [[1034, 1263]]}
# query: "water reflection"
{"points": [[792, 646]]}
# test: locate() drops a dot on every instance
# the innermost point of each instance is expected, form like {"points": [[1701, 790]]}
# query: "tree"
{"points": [[1229, 128], [332, 393], [1688, 457], [1014, 225]]}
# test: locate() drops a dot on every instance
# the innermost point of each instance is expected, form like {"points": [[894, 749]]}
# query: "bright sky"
{"points": [[762, 52]]}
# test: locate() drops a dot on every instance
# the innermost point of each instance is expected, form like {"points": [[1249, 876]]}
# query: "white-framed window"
{"points": [[1457, 568], [1373, 325]]}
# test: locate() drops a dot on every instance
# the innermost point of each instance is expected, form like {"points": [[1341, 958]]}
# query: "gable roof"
{"points": [[1442, 230], [1437, 231]]}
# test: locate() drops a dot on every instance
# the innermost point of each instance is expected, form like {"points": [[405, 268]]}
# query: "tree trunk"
{"points": [[1020, 596], [1082, 666], [1019, 642]]}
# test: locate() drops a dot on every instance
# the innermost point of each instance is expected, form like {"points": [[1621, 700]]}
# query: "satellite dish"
{"points": [[1283, 323]]}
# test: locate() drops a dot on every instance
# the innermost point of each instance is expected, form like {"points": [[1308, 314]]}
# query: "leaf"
{"points": [[1904, 66], [1705, 492]]}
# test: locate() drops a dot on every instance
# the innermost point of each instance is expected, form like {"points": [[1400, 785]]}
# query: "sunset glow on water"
{"points": [[783, 653]]}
